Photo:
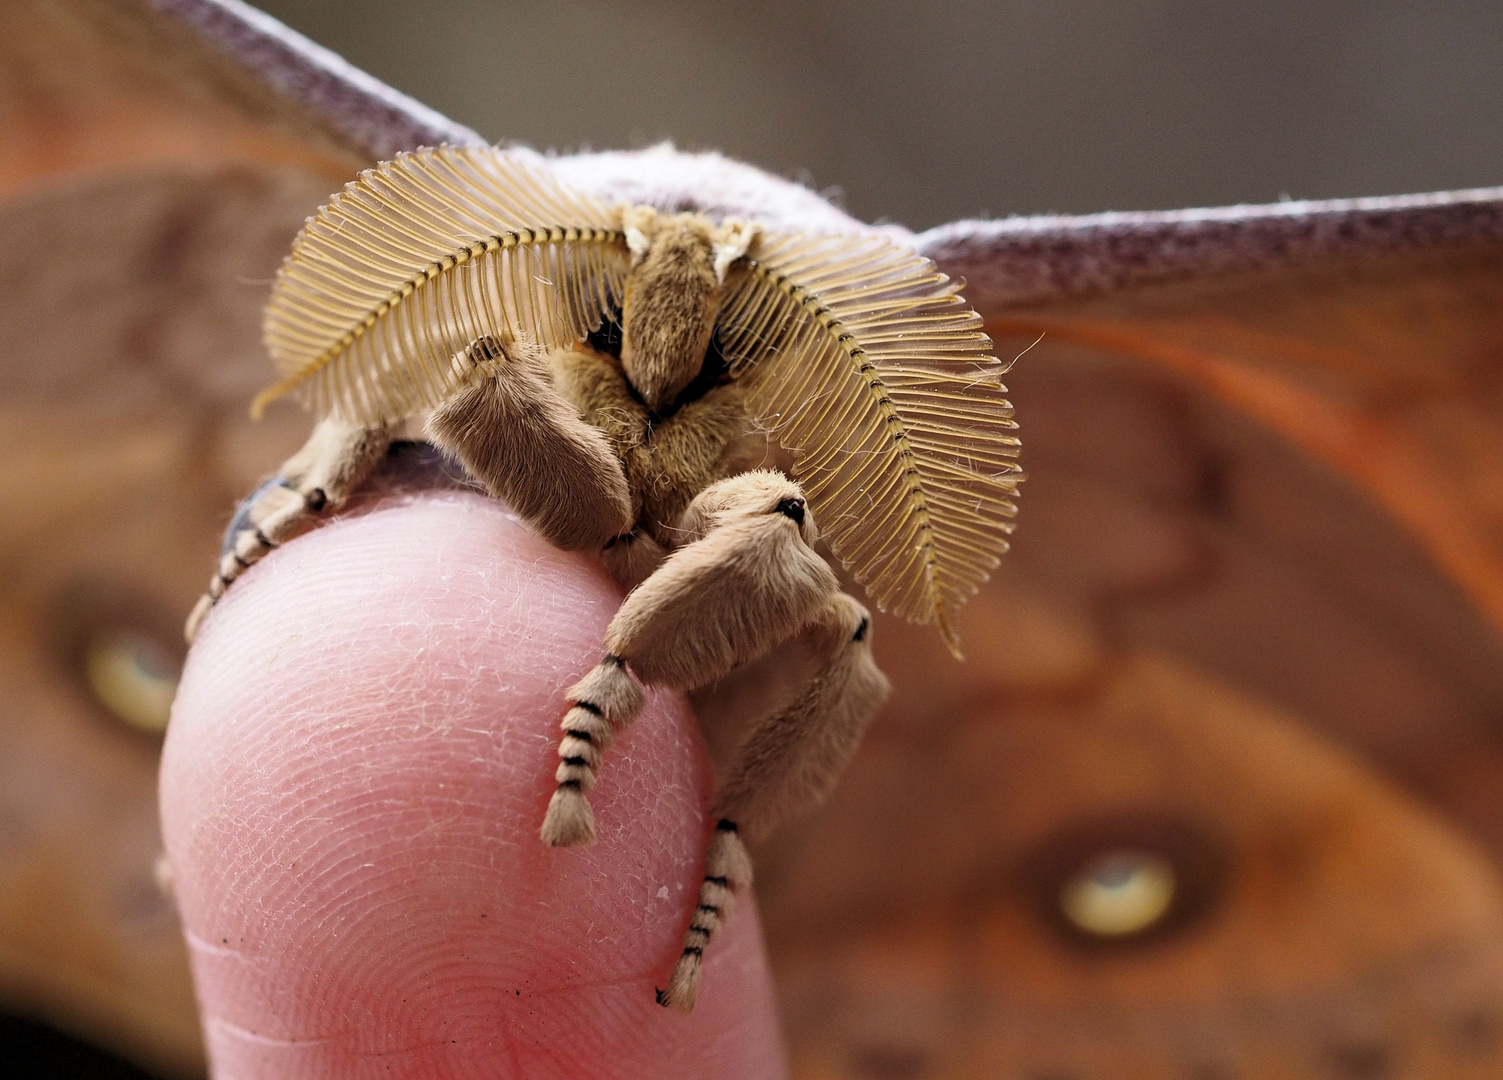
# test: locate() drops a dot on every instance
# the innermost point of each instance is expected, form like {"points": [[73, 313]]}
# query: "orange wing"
{"points": [[1249, 630], [1369, 332], [1249, 626]]}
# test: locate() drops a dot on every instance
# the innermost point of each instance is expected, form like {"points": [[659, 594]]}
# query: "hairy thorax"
{"points": [[668, 457]]}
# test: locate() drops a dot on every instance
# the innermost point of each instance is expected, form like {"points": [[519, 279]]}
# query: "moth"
{"points": [[1257, 595], [609, 372]]}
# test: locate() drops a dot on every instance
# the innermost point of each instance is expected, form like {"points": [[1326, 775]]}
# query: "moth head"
{"points": [[680, 265]]}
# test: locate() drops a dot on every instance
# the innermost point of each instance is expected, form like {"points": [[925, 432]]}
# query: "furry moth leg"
{"points": [[728, 870], [334, 461], [528, 446], [749, 580], [787, 762], [601, 704], [791, 760], [632, 558]]}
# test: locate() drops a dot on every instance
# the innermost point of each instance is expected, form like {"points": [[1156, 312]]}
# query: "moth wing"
{"points": [[417, 259], [1269, 441], [159, 157], [1366, 332], [864, 360], [95, 87], [1248, 612]]}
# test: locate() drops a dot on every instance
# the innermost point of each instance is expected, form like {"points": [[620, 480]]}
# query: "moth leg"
{"points": [[787, 762], [728, 870], [601, 704], [337, 457], [669, 459], [515, 434], [593, 383], [748, 580], [632, 558]]}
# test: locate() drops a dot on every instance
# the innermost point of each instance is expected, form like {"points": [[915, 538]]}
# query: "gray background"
{"points": [[924, 112]]}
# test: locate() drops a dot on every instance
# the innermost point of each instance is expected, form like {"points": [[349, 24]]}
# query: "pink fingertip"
{"points": [[360, 754]]}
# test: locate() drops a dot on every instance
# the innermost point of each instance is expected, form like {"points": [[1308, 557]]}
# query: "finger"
{"points": [[359, 758]]}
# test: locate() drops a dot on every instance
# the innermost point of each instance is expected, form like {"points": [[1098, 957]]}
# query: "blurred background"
{"points": [[1231, 739], [923, 113]]}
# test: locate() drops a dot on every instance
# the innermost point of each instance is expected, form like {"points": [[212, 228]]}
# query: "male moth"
{"points": [[599, 368], [1264, 503]]}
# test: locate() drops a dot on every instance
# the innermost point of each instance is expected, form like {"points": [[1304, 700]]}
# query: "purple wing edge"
{"points": [[359, 108], [1029, 260], [1009, 262]]}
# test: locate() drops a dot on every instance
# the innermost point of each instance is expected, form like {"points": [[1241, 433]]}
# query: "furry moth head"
{"points": [[858, 355], [673, 295]]}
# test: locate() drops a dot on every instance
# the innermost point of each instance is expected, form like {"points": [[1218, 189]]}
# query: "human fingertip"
{"points": [[352, 788]]}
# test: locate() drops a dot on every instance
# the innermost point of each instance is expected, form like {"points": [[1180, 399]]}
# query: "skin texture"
{"points": [[351, 819]]}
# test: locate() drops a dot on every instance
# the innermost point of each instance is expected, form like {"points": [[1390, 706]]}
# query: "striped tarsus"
{"points": [[728, 870], [334, 461], [601, 704]]}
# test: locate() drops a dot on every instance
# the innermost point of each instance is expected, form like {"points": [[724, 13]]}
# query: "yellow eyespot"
{"points": [[1118, 893], [133, 677]]}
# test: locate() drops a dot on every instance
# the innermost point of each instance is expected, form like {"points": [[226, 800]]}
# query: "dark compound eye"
{"points": [[607, 337]]}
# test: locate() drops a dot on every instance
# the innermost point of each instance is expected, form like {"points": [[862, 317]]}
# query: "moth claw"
{"points": [[319, 477], [196, 618], [683, 985], [569, 821]]}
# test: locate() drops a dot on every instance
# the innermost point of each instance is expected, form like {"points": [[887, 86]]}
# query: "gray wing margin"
{"points": [[1021, 261], [359, 109]]}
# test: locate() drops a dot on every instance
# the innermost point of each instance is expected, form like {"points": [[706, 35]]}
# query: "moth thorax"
{"points": [[668, 312]]}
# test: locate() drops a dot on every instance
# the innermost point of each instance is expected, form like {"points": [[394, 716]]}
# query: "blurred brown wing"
{"points": [[1245, 629], [158, 160], [1369, 332], [105, 85]]}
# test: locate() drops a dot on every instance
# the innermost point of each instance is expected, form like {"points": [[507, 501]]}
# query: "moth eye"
{"points": [[132, 676], [1119, 893]]}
